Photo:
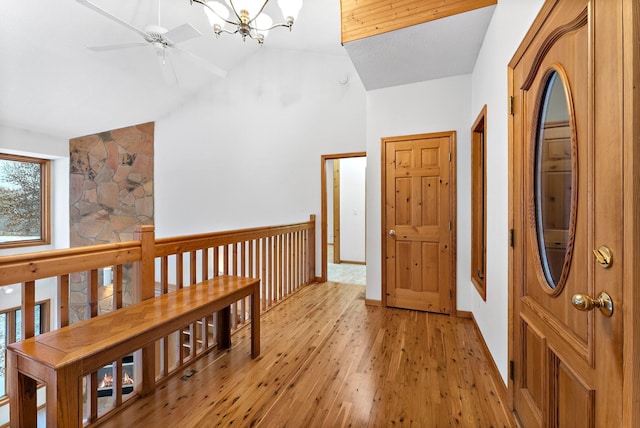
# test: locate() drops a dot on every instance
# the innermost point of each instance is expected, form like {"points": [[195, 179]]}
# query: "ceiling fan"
{"points": [[161, 39]]}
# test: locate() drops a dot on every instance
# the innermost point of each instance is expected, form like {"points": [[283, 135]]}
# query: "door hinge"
{"points": [[511, 369], [511, 238], [449, 156], [511, 102], [449, 225]]}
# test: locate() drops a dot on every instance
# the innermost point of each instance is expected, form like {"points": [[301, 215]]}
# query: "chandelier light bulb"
{"points": [[251, 6]]}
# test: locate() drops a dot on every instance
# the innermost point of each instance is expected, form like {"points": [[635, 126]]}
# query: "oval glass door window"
{"points": [[554, 181]]}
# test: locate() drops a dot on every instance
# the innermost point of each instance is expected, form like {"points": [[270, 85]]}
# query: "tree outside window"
{"points": [[24, 201]]}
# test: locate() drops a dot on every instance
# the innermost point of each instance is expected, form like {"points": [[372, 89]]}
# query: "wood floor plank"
{"points": [[328, 360]]}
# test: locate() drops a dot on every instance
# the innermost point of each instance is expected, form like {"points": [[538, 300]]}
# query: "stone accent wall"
{"points": [[111, 192]]}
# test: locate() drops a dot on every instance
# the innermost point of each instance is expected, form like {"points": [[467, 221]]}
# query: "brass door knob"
{"points": [[584, 302], [392, 232]]}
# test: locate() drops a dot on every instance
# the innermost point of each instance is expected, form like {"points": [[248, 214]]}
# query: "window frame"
{"points": [[479, 203], [45, 202]]}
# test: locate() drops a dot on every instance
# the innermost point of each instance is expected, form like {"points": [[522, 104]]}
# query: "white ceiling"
{"points": [[51, 82]]}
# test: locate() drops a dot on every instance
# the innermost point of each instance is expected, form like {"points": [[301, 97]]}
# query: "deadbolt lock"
{"points": [[603, 256]]}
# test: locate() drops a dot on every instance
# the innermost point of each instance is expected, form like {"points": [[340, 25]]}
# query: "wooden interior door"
{"points": [[418, 219], [566, 201]]}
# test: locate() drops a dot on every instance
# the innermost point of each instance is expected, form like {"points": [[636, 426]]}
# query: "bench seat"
{"points": [[61, 358]]}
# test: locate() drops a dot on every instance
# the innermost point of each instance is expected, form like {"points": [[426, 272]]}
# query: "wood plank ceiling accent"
{"points": [[364, 18]]}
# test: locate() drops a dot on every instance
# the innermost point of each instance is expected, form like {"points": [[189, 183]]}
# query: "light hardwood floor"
{"points": [[330, 361]]}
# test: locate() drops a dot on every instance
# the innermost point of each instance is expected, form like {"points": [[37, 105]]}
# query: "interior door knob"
{"points": [[584, 302], [392, 232]]}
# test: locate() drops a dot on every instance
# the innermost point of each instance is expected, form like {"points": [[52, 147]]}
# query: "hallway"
{"points": [[329, 360]]}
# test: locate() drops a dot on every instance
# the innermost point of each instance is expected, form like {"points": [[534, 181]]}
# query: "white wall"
{"points": [[352, 209], [434, 106], [510, 22], [247, 150]]}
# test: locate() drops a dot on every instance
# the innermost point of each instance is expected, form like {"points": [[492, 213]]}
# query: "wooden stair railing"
{"points": [[283, 257]]}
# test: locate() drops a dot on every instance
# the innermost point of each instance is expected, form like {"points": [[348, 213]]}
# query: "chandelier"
{"points": [[248, 18]]}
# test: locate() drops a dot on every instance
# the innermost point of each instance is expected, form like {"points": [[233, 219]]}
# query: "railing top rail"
{"points": [[182, 244], [44, 264]]}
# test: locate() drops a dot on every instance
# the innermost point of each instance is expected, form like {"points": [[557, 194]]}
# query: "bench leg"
{"points": [[255, 321], [224, 328], [64, 398], [23, 399]]}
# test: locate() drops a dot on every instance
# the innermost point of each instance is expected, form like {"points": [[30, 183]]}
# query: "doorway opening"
{"points": [[343, 218]]}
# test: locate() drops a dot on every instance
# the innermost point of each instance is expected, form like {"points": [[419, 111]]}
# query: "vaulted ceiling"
{"points": [[51, 82]]}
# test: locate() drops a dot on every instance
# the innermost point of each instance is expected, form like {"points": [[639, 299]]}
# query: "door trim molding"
{"points": [[452, 211], [323, 203]]}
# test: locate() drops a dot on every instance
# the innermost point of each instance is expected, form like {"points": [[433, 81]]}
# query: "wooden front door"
{"points": [[566, 200], [418, 219]]}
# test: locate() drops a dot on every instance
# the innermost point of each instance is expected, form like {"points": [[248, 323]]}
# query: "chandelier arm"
{"points": [[259, 12], [224, 30], [233, 7], [272, 27], [204, 3]]}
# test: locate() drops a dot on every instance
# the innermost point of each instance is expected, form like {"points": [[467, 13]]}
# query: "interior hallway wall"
{"points": [[425, 107], [511, 20], [246, 151]]}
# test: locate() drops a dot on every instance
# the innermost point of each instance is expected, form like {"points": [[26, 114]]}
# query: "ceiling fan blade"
{"points": [[182, 33], [115, 47], [114, 18], [166, 67], [213, 69]]}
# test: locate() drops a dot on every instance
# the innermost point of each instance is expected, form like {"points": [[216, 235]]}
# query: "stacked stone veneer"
{"points": [[111, 193]]}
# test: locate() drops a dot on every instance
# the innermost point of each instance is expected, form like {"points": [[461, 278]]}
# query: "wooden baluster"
{"points": [[204, 334], [192, 340], [28, 309], [117, 382], [312, 249], [193, 266], [277, 248], [263, 272], [92, 292], [252, 259], [267, 267], [145, 270], [274, 272], [288, 261], [63, 301], [243, 272], [179, 270], [164, 275], [205, 275], [225, 253], [216, 261], [205, 264], [117, 286], [296, 262], [234, 306], [164, 289]]}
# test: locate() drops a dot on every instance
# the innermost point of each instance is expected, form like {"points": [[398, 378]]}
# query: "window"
{"points": [[24, 201], [11, 331], [479, 203]]}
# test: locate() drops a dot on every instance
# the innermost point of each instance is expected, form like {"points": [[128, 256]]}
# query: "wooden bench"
{"points": [[61, 358]]}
